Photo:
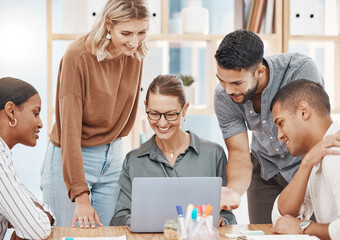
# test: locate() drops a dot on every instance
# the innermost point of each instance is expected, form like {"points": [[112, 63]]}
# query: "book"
{"points": [[269, 17], [259, 9], [252, 20], [250, 14], [238, 14], [247, 4]]}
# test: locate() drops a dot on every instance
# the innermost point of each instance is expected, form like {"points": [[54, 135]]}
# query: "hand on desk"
{"points": [[287, 225], [85, 213], [229, 199], [324, 147]]}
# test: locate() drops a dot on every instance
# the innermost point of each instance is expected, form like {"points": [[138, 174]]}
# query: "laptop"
{"points": [[154, 200]]}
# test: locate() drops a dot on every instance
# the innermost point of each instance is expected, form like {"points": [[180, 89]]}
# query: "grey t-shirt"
{"points": [[235, 118]]}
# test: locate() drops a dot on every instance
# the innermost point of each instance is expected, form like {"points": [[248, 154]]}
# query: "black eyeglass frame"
{"points": [[164, 114]]}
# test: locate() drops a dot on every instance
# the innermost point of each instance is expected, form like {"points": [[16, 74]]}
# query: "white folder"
{"points": [[306, 17]]}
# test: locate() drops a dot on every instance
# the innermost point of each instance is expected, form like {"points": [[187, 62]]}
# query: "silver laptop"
{"points": [[154, 199]]}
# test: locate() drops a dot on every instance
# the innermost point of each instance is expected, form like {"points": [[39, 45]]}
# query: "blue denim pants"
{"points": [[102, 166]]}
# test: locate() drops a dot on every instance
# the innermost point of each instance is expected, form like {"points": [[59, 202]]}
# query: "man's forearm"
{"points": [[292, 197], [239, 175]]}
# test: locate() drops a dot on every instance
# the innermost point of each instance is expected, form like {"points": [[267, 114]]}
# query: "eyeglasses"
{"points": [[169, 116]]}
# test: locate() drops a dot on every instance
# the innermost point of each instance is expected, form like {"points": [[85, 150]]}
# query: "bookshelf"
{"points": [[274, 44], [331, 50]]}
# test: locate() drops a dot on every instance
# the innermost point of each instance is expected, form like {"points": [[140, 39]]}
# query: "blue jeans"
{"points": [[102, 169]]}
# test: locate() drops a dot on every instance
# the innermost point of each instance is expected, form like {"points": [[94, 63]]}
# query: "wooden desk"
{"points": [[59, 232]]}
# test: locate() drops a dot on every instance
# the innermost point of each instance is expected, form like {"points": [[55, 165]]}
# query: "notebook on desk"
{"points": [[154, 200]]}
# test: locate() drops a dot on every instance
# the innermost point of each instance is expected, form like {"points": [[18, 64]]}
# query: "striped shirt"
{"points": [[17, 203]]}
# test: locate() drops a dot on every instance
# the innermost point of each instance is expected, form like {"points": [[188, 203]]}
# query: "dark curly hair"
{"points": [[241, 49]]}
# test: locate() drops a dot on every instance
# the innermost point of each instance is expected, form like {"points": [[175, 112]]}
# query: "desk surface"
{"points": [[59, 232]]}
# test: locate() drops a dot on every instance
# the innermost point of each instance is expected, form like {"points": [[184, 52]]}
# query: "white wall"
{"points": [[23, 55]]}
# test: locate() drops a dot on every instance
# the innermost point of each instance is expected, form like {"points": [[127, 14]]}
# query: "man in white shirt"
{"points": [[301, 111]]}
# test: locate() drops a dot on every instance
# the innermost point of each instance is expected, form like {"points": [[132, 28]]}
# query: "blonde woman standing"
{"points": [[96, 103]]}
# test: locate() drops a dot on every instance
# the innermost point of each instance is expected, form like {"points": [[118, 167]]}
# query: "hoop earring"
{"points": [[108, 35], [183, 119], [14, 124]]}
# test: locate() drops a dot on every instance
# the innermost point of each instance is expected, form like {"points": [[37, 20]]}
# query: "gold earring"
{"points": [[14, 124]]}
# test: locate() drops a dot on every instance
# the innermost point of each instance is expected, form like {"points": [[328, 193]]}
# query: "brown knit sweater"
{"points": [[96, 103]]}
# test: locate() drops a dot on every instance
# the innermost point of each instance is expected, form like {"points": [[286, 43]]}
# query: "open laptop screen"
{"points": [[154, 199]]}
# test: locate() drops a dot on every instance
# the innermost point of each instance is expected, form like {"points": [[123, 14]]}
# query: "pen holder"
{"points": [[171, 229], [204, 233]]}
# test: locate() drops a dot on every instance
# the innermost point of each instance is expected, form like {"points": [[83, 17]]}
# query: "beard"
{"points": [[248, 95]]}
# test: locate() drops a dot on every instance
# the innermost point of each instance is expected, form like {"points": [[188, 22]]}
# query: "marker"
{"points": [[206, 213], [203, 208], [188, 215], [199, 212], [210, 221], [252, 232], [194, 219], [181, 222]]}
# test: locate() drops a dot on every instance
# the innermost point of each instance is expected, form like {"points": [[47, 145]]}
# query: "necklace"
{"points": [[171, 153]]}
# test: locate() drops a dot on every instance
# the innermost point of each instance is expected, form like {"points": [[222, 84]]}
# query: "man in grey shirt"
{"points": [[248, 83]]}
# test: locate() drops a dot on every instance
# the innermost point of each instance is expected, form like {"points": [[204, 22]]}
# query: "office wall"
{"points": [[23, 55]]}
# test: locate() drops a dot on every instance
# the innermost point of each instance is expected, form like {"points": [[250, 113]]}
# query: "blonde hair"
{"points": [[116, 11]]}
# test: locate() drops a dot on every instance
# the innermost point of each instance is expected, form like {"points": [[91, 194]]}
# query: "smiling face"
{"points": [[292, 130], [159, 103], [29, 122], [127, 36], [239, 85]]}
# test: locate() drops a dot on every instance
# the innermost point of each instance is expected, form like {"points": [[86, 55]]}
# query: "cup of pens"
{"points": [[197, 224]]}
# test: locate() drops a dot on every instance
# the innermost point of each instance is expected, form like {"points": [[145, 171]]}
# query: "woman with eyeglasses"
{"points": [[171, 151]]}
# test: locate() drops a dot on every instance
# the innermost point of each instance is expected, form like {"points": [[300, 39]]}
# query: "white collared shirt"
{"points": [[17, 203], [323, 192]]}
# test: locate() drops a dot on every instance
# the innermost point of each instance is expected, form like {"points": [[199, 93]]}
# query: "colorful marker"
{"points": [[188, 216], [181, 222], [206, 213], [199, 212], [194, 219]]}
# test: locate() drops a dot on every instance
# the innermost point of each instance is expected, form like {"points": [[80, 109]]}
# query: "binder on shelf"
{"points": [[338, 15], [269, 17], [331, 21], [306, 17], [94, 8], [155, 21], [238, 14]]}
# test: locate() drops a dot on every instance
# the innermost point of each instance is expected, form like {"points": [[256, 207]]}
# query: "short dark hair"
{"points": [[241, 49], [15, 90], [296, 91], [167, 84]]}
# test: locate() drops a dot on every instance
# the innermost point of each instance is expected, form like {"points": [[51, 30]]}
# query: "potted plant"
{"points": [[187, 80], [189, 89]]}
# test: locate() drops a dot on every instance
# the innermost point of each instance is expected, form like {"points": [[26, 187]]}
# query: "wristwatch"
{"points": [[303, 226]]}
